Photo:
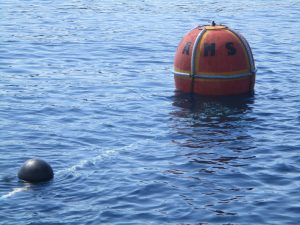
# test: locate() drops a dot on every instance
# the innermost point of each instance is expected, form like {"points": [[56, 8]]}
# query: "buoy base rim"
{"points": [[215, 87]]}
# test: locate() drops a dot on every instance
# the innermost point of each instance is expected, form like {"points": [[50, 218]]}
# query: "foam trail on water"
{"points": [[88, 162], [15, 191], [102, 155]]}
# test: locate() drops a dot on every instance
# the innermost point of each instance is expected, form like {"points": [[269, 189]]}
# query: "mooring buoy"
{"points": [[35, 170], [214, 60]]}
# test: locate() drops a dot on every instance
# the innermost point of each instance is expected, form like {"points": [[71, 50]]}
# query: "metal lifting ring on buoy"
{"points": [[214, 60]]}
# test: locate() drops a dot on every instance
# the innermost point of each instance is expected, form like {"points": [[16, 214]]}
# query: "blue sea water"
{"points": [[87, 86]]}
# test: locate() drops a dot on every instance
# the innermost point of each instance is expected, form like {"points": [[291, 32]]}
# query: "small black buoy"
{"points": [[35, 170]]}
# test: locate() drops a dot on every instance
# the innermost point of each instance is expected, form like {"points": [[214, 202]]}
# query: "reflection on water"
{"points": [[207, 121], [212, 106], [215, 148]]}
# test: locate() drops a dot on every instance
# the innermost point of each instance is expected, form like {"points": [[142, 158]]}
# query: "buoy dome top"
{"points": [[214, 50], [211, 27]]}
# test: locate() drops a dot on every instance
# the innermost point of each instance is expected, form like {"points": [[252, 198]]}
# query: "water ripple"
{"points": [[88, 86]]}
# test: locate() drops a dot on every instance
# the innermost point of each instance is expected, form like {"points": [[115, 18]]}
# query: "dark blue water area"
{"points": [[88, 86]]}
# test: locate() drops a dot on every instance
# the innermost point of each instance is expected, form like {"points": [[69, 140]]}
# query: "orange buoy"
{"points": [[214, 60]]}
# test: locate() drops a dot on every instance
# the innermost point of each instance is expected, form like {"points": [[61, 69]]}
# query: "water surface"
{"points": [[88, 86]]}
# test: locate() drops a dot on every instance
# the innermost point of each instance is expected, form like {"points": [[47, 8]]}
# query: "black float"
{"points": [[35, 170]]}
